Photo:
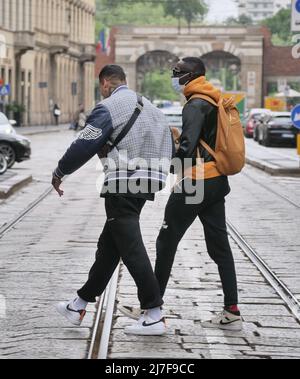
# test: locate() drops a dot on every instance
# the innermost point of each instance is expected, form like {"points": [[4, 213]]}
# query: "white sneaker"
{"points": [[131, 312], [225, 321], [75, 317], [147, 327]]}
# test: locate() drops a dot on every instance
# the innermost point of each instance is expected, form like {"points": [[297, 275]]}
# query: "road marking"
{"points": [[2, 307]]}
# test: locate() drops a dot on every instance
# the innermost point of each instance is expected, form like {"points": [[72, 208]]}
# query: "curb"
{"points": [[33, 132], [273, 170], [14, 184]]}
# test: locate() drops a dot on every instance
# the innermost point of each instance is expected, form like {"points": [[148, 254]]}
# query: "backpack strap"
{"points": [[205, 97], [202, 142], [131, 122], [208, 148]]}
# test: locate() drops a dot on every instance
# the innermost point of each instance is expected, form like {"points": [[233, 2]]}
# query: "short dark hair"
{"points": [[195, 65], [112, 72]]}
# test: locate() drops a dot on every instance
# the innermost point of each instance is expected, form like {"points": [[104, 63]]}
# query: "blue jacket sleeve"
{"points": [[97, 132]]}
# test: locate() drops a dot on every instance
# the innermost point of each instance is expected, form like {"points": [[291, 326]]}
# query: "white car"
{"points": [[174, 116], [6, 125]]}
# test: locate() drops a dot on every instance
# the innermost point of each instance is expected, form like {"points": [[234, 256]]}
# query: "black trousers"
{"points": [[122, 239], [179, 216]]}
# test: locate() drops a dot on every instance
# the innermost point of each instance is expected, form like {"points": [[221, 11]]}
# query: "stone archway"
{"points": [[245, 43], [224, 67], [153, 60]]}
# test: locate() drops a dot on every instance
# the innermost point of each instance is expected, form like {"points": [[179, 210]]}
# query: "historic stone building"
{"points": [[140, 49], [47, 54]]}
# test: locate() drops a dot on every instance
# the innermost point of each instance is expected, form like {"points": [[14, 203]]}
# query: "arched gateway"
{"points": [[243, 46]]}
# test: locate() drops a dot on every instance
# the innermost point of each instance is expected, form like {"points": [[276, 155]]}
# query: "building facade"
{"points": [[259, 10], [47, 52]]}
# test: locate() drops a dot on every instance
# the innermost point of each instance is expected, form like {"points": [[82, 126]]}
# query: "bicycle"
{"points": [[3, 164]]}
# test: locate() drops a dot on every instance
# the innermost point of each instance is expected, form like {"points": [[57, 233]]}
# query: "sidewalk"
{"points": [[274, 161], [32, 130], [194, 295], [11, 181]]}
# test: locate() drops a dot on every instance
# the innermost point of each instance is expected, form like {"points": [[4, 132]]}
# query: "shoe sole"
{"points": [[145, 332], [230, 327], [63, 312], [234, 328]]}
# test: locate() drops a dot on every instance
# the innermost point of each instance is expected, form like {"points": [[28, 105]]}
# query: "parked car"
{"points": [[174, 116], [14, 147], [257, 121], [3, 164], [250, 120], [277, 128], [6, 125]]}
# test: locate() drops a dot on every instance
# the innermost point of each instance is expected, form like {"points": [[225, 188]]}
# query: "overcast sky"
{"points": [[220, 10]]}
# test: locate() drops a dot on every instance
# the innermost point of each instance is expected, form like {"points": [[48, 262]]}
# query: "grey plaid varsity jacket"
{"points": [[141, 162]]}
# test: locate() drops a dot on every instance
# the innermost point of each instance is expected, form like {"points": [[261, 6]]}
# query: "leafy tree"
{"points": [[128, 12], [157, 86], [241, 20], [148, 12], [189, 10], [280, 26]]}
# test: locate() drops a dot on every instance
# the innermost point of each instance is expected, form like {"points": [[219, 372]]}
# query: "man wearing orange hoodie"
{"points": [[200, 121]]}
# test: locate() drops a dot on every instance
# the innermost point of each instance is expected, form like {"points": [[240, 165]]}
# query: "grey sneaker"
{"points": [[131, 312], [225, 321]]}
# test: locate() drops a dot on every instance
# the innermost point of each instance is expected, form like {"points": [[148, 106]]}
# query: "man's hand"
{"points": [[56, 182]]}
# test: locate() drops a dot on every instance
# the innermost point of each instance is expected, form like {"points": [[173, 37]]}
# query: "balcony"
{"points": [[88, 53], [59, 43], [24, 41]]}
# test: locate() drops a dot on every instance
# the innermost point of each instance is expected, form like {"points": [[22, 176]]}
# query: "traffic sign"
{"points": [[240, 99], [295, 15], [296, 116], [5, 90]]}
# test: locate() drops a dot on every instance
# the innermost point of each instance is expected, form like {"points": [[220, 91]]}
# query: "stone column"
{"points": [[130, 70], [13, 16], [252, 80]]}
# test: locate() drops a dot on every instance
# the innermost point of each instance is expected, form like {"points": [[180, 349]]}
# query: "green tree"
{"points": [[280, 26], [128, 12], [189, 10], [148, 12], [157, 86], [241, 20]]}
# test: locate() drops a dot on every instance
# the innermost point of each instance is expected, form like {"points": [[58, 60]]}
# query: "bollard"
{"points": [[298, 146]]}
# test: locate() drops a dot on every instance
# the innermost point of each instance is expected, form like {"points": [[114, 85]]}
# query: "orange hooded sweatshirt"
{"points": [[201, 86]]}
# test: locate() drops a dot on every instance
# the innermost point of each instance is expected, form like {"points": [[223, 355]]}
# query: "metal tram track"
{"points": [[271, 190], [99, 346], [106, 304], [271, 277], [12, 223]]}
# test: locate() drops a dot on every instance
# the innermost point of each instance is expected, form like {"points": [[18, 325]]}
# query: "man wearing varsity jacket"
{"points": [[132, 176]]}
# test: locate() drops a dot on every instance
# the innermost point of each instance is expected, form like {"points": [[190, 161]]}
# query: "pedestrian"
{"points": [[56, 114], [200, 121], [132, 130], [79, 119]]}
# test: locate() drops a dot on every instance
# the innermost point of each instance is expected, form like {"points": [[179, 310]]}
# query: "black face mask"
{"points": [[184, 76]]}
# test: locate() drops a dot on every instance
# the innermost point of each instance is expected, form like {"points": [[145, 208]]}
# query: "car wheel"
{"points": [[9, 154], [266, 140], [3, 164], [260, 136]]}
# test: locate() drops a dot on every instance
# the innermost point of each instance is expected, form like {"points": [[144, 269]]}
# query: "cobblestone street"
{"points": [[45, 258]]}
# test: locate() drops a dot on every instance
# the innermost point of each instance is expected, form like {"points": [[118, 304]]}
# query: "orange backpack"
{"points": [[230, 149]]}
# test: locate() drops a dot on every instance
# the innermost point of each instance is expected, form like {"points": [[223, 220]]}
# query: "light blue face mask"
{"points": [[177, 86]]}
